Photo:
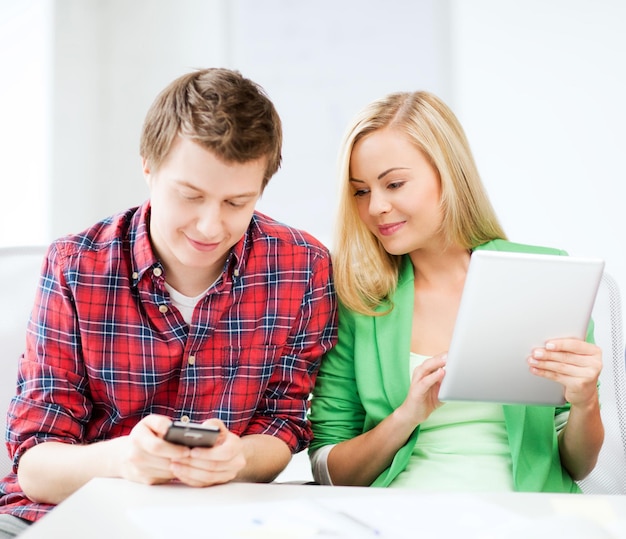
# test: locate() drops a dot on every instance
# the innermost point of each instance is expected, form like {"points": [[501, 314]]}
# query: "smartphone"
{"points": [[192, 434]]}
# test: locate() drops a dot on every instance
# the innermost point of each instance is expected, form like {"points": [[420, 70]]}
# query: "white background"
{"points": [[539, 86]]}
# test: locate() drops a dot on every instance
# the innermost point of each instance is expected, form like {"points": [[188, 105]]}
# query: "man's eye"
{"points": [[234, 204]]}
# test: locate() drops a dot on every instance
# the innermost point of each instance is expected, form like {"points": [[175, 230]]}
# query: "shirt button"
{"points": [[135, 275], [163, 308], [157, 272], [236, 273], [191, 360], [185, 419]]}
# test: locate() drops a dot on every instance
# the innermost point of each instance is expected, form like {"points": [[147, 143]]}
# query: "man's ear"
{"points": [[145, 167]]}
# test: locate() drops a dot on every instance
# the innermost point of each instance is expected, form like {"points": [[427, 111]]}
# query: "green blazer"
{"points": [[366, 376]]}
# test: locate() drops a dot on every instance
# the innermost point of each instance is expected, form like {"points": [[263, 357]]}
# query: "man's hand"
{"points": [[144, 456], [205, 466]]}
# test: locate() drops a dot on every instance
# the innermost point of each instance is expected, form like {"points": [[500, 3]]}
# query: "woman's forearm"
{"points": [[581, 439], [359, 461]]}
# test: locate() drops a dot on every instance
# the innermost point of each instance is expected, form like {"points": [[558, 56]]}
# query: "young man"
{"points": [[192, 307]]}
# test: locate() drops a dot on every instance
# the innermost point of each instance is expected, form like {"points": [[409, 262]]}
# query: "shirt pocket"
{"points": [[234, 385]]}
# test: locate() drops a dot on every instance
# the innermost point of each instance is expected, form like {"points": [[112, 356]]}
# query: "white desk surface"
{"points": [[115, 508]]}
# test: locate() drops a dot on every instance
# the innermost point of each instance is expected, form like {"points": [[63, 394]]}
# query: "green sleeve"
{"points": [[336, 410]]}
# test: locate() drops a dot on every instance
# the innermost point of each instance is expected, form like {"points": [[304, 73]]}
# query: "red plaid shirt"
{"points": [[105, 347]]}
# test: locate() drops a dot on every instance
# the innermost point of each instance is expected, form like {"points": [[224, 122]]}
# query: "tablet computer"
{"points": [[512, 303]]}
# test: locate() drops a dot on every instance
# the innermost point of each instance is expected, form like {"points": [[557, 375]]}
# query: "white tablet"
{"points": [[512, 303]]}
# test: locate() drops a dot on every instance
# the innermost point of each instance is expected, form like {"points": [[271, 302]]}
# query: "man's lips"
{"points": [[201, 246], [388, 230]]}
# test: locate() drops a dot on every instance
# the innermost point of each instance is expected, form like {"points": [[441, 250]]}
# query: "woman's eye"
{"points": [[361, 192], [395, 185]]}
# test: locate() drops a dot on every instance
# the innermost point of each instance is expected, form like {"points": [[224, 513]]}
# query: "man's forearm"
{"points": [[266, 456]]}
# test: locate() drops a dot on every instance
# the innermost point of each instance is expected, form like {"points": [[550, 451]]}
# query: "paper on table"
{"points": [[289, 519], [334, 517]]}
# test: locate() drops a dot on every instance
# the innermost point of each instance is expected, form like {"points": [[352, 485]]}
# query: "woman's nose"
{"points": [[378, 204]]}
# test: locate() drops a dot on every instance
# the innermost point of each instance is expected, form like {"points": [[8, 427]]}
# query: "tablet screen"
{"points": [[512, 303]]}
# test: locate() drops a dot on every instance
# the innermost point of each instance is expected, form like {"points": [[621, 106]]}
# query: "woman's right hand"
{"points": [[360, 460], [423, 396]]}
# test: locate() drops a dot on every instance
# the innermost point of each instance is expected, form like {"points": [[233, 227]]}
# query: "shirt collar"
{"points": [[144, 258], [240, 252]]}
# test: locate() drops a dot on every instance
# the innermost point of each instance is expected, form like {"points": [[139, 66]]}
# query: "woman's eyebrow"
{"points": [[383, 174]]}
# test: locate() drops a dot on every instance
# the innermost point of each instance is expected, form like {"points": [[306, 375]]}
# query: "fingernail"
{"points": [[550, 346]]}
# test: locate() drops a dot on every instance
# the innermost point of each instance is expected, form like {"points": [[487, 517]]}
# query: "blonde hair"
{"points": [[365, 274]]}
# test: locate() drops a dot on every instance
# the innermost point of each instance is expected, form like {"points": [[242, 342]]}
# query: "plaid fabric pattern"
{"points": [[105, 347]]}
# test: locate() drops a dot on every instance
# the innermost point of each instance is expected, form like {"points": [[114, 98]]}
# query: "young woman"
{"points": [[412, 209]]}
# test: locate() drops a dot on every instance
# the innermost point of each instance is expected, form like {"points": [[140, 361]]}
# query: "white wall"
{"points": [[321, 62], [24, 113], [540, 87], [111, 58], [318, 62], [537, 84]]}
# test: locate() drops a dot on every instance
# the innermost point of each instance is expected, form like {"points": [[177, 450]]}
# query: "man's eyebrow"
{"points": [[185, 183], [243, 195]]}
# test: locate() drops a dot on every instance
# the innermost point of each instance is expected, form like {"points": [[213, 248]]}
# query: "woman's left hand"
{"points": [[574, 363]]}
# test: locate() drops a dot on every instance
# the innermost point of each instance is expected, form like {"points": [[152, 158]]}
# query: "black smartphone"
{"points": [[192, 434]]}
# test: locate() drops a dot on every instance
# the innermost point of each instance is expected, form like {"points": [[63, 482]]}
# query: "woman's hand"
{"points": [[423, 396], [574, 363], [360, 460]]}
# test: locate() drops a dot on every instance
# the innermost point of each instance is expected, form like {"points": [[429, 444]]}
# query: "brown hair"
{"points": [[219, 109]]}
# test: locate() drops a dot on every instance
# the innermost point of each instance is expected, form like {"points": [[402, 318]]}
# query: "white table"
{"points": [[115, 508]]}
